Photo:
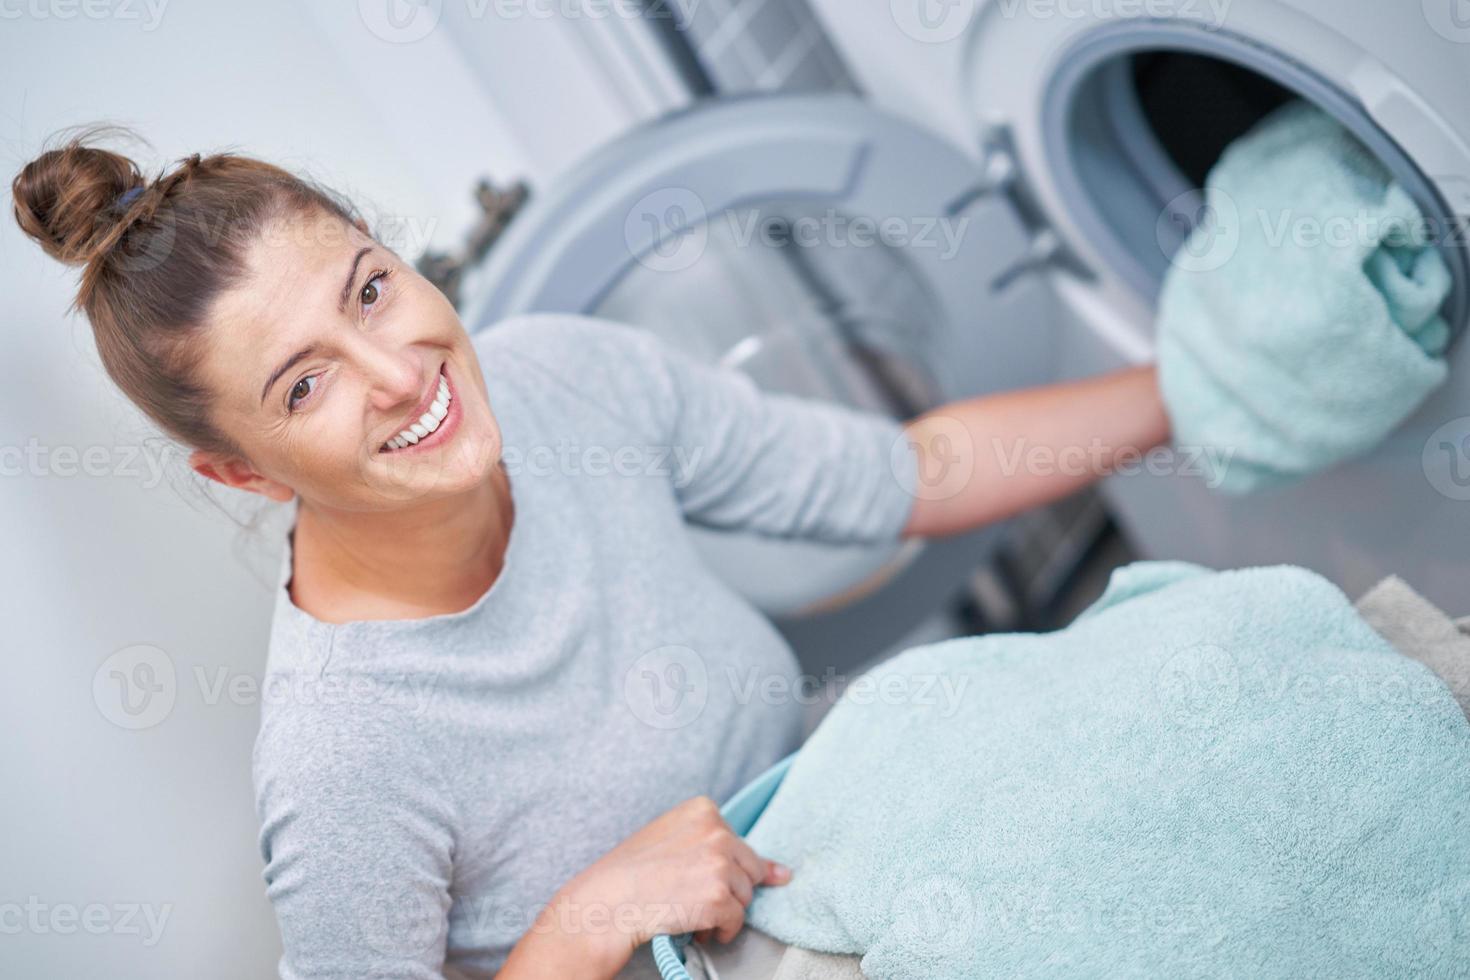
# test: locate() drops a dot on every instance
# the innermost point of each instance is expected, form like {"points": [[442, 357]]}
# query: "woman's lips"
{"points": [[447, 425]]}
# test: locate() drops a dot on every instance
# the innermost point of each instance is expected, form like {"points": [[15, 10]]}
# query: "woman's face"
{"points": [[329, 348]]}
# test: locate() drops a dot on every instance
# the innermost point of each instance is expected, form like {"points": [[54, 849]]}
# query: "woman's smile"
{"points": [[435, 423]]}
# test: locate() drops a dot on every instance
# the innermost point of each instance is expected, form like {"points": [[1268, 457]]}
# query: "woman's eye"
{"points": [[299, 391], [371, 291]]}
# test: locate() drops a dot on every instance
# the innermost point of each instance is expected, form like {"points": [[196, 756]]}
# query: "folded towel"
{"points": [[1207, 773], [1301, 323]]}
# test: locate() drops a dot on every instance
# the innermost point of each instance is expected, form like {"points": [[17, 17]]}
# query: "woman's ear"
{"points": [[237, 473]]}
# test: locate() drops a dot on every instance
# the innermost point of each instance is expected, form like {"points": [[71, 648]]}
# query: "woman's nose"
{"points": [[393, 377]]}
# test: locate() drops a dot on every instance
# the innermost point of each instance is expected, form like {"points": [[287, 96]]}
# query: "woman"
{"points": [[513, 692]]}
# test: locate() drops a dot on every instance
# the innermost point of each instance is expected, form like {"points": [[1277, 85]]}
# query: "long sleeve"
{"points": [[357, 839], [741, 457]]}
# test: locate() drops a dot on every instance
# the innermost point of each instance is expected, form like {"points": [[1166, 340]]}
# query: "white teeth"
{"points": [[428, 422]]}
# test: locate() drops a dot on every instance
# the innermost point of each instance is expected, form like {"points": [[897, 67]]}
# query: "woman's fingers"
{"points": [[750, 862], [742, 889], [732, 919], [776, 873]]}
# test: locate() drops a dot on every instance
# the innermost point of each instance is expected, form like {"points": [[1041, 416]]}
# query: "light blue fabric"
{"points": [[1206, 774], [1299, 324]]}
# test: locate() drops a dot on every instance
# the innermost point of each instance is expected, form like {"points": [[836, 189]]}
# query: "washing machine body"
{"points": [[1106, 115], [830, 250]]}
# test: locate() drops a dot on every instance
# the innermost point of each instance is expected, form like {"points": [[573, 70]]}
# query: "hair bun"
{"points": [[66, 198]]}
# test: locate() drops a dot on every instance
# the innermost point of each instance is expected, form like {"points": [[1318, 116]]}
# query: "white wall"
{"points": [[98, 819]]}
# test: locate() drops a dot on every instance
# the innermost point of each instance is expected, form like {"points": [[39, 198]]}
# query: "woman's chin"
{"points": [[448, 469]]}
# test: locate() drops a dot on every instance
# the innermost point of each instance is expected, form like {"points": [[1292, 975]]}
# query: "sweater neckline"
{"points": [[509, 567]]}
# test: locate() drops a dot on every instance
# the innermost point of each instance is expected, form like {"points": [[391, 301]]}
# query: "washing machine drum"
{"points": [[1113, 123], [1133, 116]]}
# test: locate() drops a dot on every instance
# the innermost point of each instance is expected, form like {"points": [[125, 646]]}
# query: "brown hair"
{"points": [[153, 265]]}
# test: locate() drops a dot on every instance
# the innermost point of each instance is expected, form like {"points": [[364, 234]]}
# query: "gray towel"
{"points": [[753, 955], [1419, 629]]}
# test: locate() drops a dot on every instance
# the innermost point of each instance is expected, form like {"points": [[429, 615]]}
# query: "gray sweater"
{"points": [[425, 786]]}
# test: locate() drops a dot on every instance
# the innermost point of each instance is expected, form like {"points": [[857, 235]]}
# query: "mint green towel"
{"points": [[1300, 322], [1207, 774]]}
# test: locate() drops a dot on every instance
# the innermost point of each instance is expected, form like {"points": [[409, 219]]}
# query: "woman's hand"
{"points": [[685, 871]]}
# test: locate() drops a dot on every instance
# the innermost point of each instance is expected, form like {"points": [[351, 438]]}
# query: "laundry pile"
{"points": [[1206, 774], [1299, 324]]}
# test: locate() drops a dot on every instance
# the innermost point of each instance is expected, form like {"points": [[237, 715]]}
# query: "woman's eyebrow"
{"points": [[285, 366], [351, 275]]}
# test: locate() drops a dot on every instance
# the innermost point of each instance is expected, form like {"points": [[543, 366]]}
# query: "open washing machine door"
{"points": [[829, 250], [1115, 120]]}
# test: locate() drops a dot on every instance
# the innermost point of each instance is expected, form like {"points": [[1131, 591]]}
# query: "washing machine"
{"points": [[994, 205], [1107, 115]]}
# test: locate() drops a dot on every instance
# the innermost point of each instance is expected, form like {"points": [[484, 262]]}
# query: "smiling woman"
{"points": [[548, 806]]}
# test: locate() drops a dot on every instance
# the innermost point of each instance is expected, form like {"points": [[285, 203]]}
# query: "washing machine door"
{"points": [[829, 250]]}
